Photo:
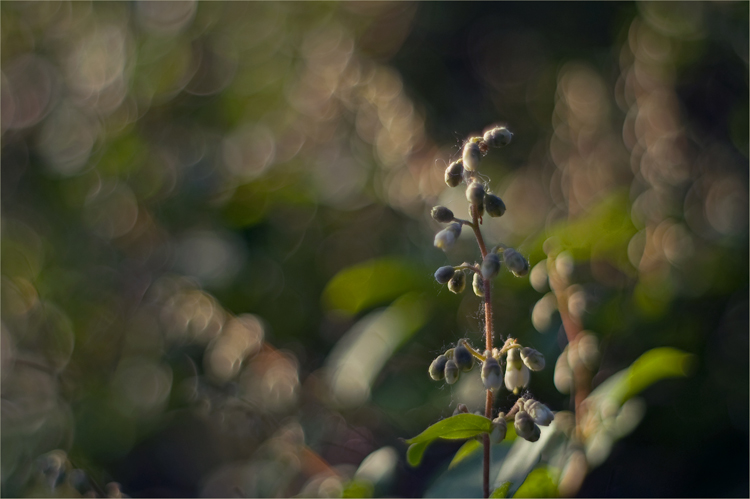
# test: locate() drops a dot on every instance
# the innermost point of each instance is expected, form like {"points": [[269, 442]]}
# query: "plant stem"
{"points": [[488, 339]]}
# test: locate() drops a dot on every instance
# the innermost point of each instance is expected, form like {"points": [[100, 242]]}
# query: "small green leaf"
{"points": [[370, 283], [415, 452], [358, 488], [465, 451], [539, 483], [656, 364], [454, 428], [501, 491]]}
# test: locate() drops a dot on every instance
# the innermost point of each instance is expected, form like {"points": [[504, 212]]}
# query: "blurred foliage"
{"points": [[217, 249]]}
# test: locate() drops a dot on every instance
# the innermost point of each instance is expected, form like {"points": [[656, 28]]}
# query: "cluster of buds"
{"points": [[518, 365], [531, 414], [455, 277], [452, 362]]}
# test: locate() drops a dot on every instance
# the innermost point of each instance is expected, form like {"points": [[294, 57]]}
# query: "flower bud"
{"points": [[533, 359], [446, 238], [539, 412], [437, 367], [490, 265], [563, 377], [498, 137], [516, 373], [444, 274], [461, 409], [457, 284], [454, 173], [494, 205], [451, 372], [499, 429], [491, 373], [442, 214], [475, 193], [471, 155], [525, 427], [515, 262], [478, 284], [463, 357]]}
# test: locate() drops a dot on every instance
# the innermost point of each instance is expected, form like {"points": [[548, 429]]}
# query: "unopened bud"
{"points": [[457, 284], [477, 283], [491, 373], [525, 427], [461, 409], [444, 274], [442, 214], [563, 377], [471, 155], [454, 173], [533, 359], [490, 265], [499, 429], [451, 372], [494, 205], [539, 412], [446, 238], [516, 373], [515, 262], [463, 357], [437, 367], [475, 193], [498, 137]]}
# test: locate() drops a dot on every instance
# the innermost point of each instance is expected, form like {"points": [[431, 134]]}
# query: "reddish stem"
{"points": [[488, 344]]}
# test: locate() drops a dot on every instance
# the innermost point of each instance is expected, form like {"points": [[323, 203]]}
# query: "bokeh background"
{"points": [[217, 252]]}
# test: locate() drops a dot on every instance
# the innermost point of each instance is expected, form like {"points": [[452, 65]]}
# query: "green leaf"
{"points": [[501, 491], [454, 428], [358, 488], [656, 364], [415, 452], [465, 451], [524, 456], [375, 281], [539, 483]]}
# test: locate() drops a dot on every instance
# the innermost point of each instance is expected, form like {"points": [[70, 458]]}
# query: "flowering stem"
{"points": [[488, 338]]}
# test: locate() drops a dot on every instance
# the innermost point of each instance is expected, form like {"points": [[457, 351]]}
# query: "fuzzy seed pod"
{"points": [[463, 357], [490, 265], [437, 367], [477, 284], [539, 412], [442, 214], [451, 372], [444, 274], [516, 373], [471, 155], [475, 193], [494, 205], [498, 137], [515, 262], [446, 238], [454, 173], [499, 429], [457, 284], [525, 427], [491, 373], [533, 359]]}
